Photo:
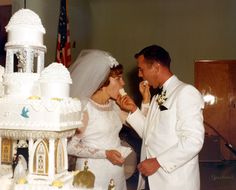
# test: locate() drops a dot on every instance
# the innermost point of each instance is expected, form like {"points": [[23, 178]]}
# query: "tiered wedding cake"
{"points": [[35, 108]]}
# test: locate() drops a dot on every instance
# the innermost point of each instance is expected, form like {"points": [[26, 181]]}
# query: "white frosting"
{"points": [[21, 84], [40, 114], [21, 37], [25, 18], [56, 72], [54, 81], [25, 29]]}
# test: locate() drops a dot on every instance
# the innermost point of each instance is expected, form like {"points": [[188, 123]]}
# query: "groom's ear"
{"points": [[156, 66]]}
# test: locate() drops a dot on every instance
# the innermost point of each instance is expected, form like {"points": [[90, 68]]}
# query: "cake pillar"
{"points": [[40, 62], [29, 60], [14, 145], [51, 172], [64, 142], [9, 61], [30, 149]]}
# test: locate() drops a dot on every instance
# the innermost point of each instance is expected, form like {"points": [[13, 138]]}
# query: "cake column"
{"points": [[30, 149], [9, 61], [14, 146], [40, 62], [29, 60], [51, 170], [64, 142]]}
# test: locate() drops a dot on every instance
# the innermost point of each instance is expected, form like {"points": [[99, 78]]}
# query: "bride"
{"points": [[97, 79]]}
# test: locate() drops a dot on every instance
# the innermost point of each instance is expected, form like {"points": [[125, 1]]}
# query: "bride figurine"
{"points": [[20, 169]]}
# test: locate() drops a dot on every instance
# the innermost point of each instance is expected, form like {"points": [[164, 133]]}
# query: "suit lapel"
{"points": [[150, 115], [154, 111]]}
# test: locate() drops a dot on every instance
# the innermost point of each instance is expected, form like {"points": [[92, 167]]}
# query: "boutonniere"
{"points": [[161, 100]]}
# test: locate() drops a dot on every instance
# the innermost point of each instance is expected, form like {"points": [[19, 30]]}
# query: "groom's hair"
{"points": [[155, 53]]}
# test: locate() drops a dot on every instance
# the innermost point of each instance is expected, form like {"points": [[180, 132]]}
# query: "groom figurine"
{"points": [[172, 129]]}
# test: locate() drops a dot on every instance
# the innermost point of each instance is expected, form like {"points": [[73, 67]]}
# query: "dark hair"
{"points": [[114, 71], [155, 53]]}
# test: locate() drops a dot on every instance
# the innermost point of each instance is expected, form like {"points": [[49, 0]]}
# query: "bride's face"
{"points": [[116, 83]]}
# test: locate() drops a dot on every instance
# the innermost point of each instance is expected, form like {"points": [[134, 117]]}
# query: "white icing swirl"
{"points": [[55, 72], [25, 18]]}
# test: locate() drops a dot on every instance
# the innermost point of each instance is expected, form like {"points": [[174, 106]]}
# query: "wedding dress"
{"points": [[101, 133], [21, 168]]}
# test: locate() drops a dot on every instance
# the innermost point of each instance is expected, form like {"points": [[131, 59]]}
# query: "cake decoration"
{"points": [[85, 178], [24, 112]]}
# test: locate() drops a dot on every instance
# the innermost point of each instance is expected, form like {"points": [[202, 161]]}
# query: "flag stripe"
{"points": [[63, 54]]}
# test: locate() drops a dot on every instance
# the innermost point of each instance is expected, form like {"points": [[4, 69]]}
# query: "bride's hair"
{"points": [[114, 72]]}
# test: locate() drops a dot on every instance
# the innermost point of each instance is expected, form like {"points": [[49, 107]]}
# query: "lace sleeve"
{"points": [[77, 148]]}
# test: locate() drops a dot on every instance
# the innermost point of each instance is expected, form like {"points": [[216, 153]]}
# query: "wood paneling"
{"points": [[218, 78]]}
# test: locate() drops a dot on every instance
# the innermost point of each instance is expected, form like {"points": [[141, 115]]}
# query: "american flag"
{"points": [[63, 38]]}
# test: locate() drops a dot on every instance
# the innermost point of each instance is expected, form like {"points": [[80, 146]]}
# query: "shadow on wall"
{"points": [[5, 14]]}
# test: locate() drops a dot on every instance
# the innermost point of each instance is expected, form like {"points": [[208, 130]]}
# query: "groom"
{"points": [[172, 130]]}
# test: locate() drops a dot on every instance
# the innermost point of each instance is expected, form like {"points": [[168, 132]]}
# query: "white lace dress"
{"points": [[101, 133]]}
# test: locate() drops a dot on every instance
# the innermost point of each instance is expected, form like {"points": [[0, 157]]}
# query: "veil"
{"points": [[89, 72], [20, 169]]}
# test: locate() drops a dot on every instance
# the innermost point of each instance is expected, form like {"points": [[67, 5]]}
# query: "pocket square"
{"points": [[162, 108]]}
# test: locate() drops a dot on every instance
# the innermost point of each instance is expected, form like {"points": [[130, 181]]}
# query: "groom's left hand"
{"points": [[149, 166]]}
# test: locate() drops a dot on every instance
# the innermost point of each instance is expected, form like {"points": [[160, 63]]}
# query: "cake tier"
{"points": [[40, 114], [23, 23], [20, 37], [21, 84]]}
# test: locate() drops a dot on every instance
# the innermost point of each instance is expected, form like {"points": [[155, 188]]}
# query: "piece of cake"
{"points": [[122, 92]]}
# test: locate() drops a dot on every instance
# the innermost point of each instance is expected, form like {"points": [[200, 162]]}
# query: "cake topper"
{"points": [[84, 178]]}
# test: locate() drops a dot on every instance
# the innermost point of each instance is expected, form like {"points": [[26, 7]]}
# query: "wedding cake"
{"points": [[36, 109]]}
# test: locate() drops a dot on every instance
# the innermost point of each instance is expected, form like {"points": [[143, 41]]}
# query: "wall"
{"points": [[188, 29]]}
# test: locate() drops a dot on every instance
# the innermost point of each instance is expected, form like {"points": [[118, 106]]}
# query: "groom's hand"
{"points": [[148, 166], [126, 103]]}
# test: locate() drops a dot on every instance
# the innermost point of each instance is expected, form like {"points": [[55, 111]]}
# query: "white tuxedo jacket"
{"points": [[173, 136]]}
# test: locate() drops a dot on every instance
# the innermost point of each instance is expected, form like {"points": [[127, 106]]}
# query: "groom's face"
{"points": [[148, 71]]}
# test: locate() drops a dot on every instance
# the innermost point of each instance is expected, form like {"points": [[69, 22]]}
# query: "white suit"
{"points": [[173, 136]]}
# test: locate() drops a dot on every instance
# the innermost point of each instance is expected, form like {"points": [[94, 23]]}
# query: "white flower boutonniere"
{"points": [[161, 98]]}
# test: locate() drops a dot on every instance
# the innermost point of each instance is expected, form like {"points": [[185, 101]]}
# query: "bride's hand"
{"points": [[114, 157]]}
